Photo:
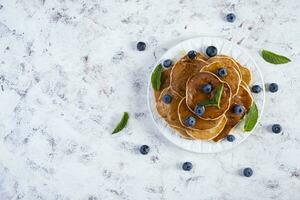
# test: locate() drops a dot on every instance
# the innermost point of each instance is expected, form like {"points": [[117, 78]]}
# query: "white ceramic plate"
{"points": [[224, 47]]}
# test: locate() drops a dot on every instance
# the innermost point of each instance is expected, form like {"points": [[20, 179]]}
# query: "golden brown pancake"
{"points": [[208, 134], [201, 124], [194, 95], [226, 60], [243, 98], [232, 78], [182, 71], [165, 82]]}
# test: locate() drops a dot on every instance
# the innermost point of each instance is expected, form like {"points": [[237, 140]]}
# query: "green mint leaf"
{"points": [[251, 118], [274, 58], [156, 76], [215, 101], [122, 123]]}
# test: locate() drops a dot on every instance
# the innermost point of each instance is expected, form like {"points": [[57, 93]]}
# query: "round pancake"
{"points": [[201, 124], [208, 134], [232, 78], [165, 82], [182, 71], [194, 95], [182, 132], [226, 60], [242, 98]]}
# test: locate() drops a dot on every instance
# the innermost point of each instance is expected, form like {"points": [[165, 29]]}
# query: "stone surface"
{"points": [[68, 70]]}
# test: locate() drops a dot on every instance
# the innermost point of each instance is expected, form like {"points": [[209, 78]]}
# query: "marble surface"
{"points": [[69, 69]]}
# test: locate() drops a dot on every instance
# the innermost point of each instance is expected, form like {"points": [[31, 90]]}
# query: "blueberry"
{"points": [[276, 128], [222, 72], [207, 88], [167, 99], [230, 17], [187, 166], [144, 149], [141, 46], [238, 109], [273, 87], [247, 172], [230, 138], [192, 54], [256, 89], [190, 121], [211, 51], [199, 110], [167, 63]]}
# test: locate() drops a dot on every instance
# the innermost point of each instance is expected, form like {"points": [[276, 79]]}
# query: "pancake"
{"points": [[232, 78], [194, 95], [165, 82], [242, 98], [201, 124], [208, 134], [227, 61], [182, 71]]}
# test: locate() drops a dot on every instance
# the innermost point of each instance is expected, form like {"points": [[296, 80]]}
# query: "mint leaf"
{"points": [[215, 101], [274, 58], [156, 76], [122, 123], [251, 118]]}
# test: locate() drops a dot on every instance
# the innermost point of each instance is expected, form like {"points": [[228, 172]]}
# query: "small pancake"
{"points": [[208, 134], [182, 71], [194, 95], [246, 74], [232, 78], [226, 60], [201, 124], [242, 98], [165, 82]]}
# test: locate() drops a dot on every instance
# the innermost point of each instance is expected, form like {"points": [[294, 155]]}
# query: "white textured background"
{"points": [[68, 70]]}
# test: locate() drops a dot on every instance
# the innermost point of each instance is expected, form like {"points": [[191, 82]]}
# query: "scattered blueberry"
{"points": [[187, 166], [273, 87], [190, 121], [248, 172], [256, 89], [167, 63], [167, 99], [199, 110], [141, 46], [230, 17], [144, 149], [238, 109], [207, 88], [211, 51], [192, 54], [222, 72], [230, 138], [276, 128]]}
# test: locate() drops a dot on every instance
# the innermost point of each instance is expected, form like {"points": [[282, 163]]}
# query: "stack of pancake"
{"points": [[183, 82]]}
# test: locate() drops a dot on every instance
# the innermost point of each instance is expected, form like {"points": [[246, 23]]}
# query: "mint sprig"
{"points": [[251, 118], [122, 124], [156, 76], [215, 101], [274, 58]]}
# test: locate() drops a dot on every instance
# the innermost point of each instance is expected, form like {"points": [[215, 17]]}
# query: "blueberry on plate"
{"points": [[238, 109], [192, 54], [211, 51], [141, 46], [230, 138], [276, 128], [199, 110], [187, 166], [248, 172], [144, 149], [230, 17], [207, 88], [190, 121], [167, 99], [256, 89], [167, 63], [222, 72], [273, 87]]}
